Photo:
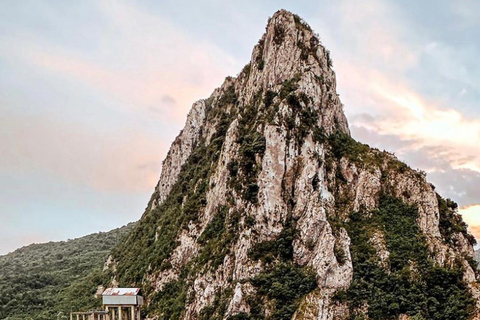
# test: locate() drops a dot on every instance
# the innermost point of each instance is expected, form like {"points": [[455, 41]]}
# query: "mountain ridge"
{"points": [[266, 208]]}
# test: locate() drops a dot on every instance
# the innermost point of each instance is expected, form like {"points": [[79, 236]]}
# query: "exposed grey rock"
{"points": [[180, 150], [295, 181]]}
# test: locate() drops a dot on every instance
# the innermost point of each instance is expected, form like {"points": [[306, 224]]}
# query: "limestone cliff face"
{"points": [[258, 189]]}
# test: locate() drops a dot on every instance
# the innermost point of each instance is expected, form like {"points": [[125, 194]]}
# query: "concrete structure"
{"points": [[122, 303], [90, 315], [118, 304]]}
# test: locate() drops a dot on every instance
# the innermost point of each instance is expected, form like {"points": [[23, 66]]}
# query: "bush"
{"points": [[246, 69], [281, 248], [170, 301], [284, 285], [289, 86], [450, 222], [218, 236], [279, 34], [269, 97], [329, 59]]}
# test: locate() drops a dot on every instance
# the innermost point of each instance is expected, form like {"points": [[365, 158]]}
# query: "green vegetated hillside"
{"points": [[41, 280], [408, 282]]}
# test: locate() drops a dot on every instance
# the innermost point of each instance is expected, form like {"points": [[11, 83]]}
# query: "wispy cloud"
{"points": [[144, 58], [377, 57], [379, 94], [444, 131]]}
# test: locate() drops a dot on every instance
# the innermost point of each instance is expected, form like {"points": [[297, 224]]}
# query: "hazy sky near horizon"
{"points": [[93, 92]]}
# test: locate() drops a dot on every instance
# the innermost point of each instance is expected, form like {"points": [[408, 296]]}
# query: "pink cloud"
{"points": [[373, 81], [154, 59], [471, 215], [11, 242], [411, 117], [373, 28], [120, 161], [133, 90]]}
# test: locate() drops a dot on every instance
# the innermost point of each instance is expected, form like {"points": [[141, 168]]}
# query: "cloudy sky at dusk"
{"points": [[93, 92]]}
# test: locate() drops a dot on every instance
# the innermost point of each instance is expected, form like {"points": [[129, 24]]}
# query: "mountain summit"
{"points": [[266, 208]]}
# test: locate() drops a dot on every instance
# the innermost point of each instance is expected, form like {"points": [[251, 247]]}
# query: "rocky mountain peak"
{"points": [[289, 80], [288, 47], [266, 208], [290, 51]]}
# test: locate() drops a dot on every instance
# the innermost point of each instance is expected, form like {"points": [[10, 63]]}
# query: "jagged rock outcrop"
{"points": [[267, 208]]}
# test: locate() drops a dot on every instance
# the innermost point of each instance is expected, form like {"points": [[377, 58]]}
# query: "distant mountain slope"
{"points": [[37, 280], [477, 256]]}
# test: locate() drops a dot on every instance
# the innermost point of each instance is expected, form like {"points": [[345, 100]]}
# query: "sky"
{"points": [[93, 92]]}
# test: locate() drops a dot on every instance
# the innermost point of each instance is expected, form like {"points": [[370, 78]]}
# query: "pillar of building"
{"points": [[119, 313], [138, 313]]}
